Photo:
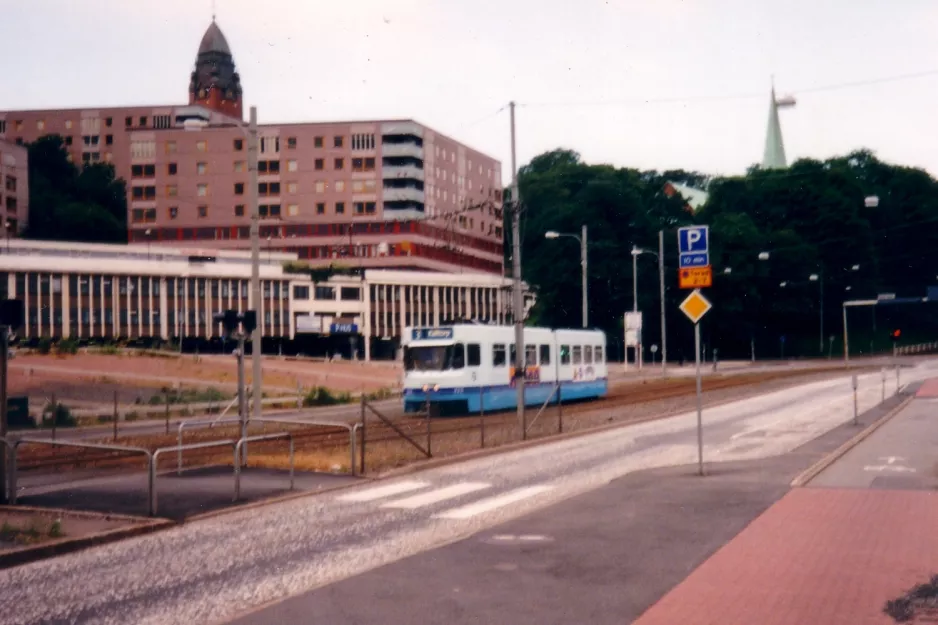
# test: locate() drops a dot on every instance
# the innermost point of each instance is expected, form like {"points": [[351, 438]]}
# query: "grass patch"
{"points": [[35, 531], [321, 396], [187, 396]]}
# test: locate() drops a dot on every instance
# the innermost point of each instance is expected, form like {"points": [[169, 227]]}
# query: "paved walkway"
{"points": [[817, 556]]}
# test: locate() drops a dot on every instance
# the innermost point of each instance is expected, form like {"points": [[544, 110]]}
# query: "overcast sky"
{"points": [[581, 71]]}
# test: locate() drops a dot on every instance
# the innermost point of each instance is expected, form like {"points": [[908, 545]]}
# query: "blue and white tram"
{"points": [[463, 367]]}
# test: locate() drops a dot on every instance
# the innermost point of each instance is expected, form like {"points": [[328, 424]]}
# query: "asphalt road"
{"points": [[902, 454], [215, 570]]}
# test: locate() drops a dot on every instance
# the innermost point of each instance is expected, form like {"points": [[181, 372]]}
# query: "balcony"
{"points": [[407, 172], [402, 128], [402, 149], [406, 194]]}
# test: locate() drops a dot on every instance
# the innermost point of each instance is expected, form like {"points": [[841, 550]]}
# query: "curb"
{"points": [[25, 555], [814, 470]]}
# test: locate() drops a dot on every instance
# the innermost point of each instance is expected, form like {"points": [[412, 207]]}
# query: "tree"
{"points": [[811, 218], [71, 204]]}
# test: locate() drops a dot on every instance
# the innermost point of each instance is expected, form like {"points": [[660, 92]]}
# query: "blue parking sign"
{"points": [[693, 240]]}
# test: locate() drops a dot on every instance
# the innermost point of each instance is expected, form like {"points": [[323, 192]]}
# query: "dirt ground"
{"points": [[92, 378], [24, 528]]}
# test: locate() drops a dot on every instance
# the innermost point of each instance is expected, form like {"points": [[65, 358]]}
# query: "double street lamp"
{"points": [[551, 234]]}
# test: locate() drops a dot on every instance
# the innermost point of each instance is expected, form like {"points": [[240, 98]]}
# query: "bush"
{"points": [[44, 346], [67, 346], [131, 416], [59, 414], [381, 393], [321, 396], [110, 349]]}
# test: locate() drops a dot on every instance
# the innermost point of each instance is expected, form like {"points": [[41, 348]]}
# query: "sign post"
{"points": [[695, 307]]}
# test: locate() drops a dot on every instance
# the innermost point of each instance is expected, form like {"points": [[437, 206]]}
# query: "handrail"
{"points": [[60, 443], [352, 430], [155, 459], [253, 439], [195, 424]]}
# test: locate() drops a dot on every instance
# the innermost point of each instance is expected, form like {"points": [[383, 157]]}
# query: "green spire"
{"points": [[774, 157]]}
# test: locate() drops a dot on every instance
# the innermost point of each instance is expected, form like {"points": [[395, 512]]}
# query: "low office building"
{"points": [[147, 294], [14, 187]]}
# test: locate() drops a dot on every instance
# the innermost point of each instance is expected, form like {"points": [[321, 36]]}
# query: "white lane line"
{"points": [[434, 496], [493, 503], [370, 494]]}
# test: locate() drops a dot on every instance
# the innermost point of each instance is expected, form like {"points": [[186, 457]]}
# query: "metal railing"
{"points": [[155, 459], [352, 430], [194, 425], [60, 443], [258, 438]]}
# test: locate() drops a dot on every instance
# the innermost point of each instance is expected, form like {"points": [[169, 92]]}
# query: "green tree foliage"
{"points": [[68, 203], [811, 218]]}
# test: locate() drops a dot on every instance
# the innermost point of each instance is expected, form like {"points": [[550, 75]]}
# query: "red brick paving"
{"points": [[817, 557], [929, 388]]}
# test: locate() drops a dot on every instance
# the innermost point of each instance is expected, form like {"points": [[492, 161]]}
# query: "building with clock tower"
{"points": [[215, 84]]}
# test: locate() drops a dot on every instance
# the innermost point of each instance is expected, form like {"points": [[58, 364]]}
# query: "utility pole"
{"points": [[255, 264], [664, 327], [517, 296], [583, 263]]}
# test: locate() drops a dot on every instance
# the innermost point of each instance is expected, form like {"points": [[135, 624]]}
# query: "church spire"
{"points": [[774, 155], [215, 83]]}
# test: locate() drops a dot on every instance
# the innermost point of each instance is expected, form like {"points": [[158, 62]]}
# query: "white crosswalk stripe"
{"points": [[437, 495], [492, 503], [379, 492]]}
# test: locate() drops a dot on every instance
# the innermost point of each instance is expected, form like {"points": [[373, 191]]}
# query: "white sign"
{"points": [[633, 329], [654, 349]]}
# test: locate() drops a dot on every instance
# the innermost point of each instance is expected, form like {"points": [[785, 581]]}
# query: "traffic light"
{"points": [[895, 334], [231, 319]]}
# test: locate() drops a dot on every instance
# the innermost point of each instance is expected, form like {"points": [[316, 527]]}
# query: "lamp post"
{"points": [[551, 234], [819, 278], [147, 233], [636, 252]]}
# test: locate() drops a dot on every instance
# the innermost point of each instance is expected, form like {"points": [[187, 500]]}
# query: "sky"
{"points": [[650, 84]]}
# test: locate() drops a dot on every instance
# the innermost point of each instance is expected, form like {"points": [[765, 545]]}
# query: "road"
{"points": [[215, 570]]}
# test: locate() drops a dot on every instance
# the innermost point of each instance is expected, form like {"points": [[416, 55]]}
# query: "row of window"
{"points": [[346, 293], [470, 355], [268, 211], [95, 286], [85, 316]]}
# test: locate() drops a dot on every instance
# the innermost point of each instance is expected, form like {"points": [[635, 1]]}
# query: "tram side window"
{"points": [[565, 354], [512, 357], [459, 356], [498, 355], [545, 354], [530, 355], [474, 354], [588, 355], [599, 354], [577, 355]]}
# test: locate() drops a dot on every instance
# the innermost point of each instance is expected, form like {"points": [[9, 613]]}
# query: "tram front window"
{"points": [[435, 358]]}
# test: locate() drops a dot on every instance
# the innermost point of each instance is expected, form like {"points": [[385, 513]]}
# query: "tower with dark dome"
{"points": [[215, 84]]}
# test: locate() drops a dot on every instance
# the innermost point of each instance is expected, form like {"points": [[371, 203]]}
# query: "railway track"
{"points": [[318, 438]]}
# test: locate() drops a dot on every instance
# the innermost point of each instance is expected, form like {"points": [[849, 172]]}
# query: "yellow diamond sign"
{"points": [[695, 306]]}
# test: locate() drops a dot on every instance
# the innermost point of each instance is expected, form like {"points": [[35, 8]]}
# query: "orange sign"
{"points": [[695, 277]]}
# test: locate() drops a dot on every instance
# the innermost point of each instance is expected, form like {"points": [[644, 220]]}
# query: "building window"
{"points": [[238, 145], [350, 293], [173, 212], [301, 292], [143, 120], [170, 147], [201, 168], [128, 121], [239, 210], [269, 210], [291, 143], [68, 140], [340, 185], [239, 166], [293, 210], [109, 140], [340, 208], [143, 171], [172, 190], [239, 188], [339, 164], [319, 164], [10, 183], [108, 121], [270, 144], [317, 142], [11, 203], [201, 146], [203, 211], [337, 141], [325, 292], [171, 169], [291, 187], [291, 165], [320, 186], [202, 190], [320, 208], [370, 208]]}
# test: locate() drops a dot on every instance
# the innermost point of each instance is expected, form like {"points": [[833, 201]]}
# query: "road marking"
{"points": [[493, 503], [435, 496], [370, 494], [889, 467]]}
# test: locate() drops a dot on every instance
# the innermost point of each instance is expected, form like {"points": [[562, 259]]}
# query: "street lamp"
{"points": [[763, 256], [6, 229], [551, 234], [727, 270], [871, 201], [636, 252], [819, 278]]}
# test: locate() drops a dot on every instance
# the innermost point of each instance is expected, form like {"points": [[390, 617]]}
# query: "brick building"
{"points": [[371, 194]]}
